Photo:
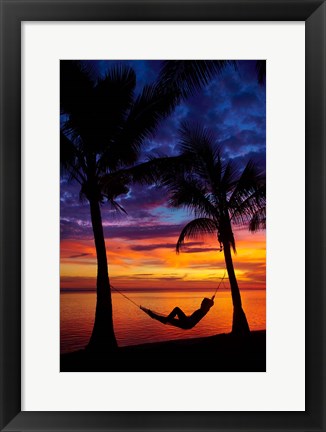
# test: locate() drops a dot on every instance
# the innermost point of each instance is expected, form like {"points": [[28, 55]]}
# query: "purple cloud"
{"points": [[232, 105]]}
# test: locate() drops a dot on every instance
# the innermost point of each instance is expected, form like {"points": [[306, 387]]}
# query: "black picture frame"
{"points": [[13, 13]]}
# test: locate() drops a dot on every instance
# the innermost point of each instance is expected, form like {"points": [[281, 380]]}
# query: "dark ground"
{"points": [[219, 353]]}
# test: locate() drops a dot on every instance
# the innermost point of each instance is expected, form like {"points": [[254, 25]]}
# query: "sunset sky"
{"points": [[141, 245]]}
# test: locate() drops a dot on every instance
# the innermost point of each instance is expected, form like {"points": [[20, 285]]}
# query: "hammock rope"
{"points": [[124, 295], [218, 285]]}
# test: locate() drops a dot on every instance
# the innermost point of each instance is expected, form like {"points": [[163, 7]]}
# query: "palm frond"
{"points": [[194, 229], [117, 207], [232, 243], [157, 170], [193, 137], [71, 160], [200, 144], [258, 220], [76, 99], [76, 85], [154, 171], [113, 185], [187, 76], [229, 176], [250, 181], [97, 116], [189, 193], [255, 201], [149, 109], [113, 98]]}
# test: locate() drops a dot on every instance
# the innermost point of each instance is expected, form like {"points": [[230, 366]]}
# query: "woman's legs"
{"points": [[177, 312], [153, 315], [182, 321]]}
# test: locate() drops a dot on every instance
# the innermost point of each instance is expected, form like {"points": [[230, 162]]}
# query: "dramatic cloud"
{"points": [[79, 255], [141, 244]]}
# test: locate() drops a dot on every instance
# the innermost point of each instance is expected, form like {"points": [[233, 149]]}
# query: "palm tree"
{"points": [[220, 196], [103, 128]]}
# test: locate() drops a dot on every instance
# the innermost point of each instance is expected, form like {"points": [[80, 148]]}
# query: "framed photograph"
{"points": [[162, 217], [140, 206]]}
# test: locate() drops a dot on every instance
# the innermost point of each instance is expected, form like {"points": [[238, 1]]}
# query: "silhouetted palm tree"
{"points": [[220, 195], [103, 128]]}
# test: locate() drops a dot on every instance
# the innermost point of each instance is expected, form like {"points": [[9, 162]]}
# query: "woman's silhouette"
{"points": [[183, 321]]}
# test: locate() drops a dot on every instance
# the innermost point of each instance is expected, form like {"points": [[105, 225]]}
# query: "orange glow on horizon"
{"points": [[144, 264]]}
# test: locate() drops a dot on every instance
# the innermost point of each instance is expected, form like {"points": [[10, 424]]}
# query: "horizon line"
{"points": [[89, 290]]}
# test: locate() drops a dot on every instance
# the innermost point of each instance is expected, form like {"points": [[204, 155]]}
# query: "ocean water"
{"points": [[132, 326]]}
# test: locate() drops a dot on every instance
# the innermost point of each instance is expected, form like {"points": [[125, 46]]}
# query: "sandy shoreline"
{"points": [[218, 353]]}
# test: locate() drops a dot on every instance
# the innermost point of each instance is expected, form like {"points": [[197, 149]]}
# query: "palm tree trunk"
{"points": [[240, 324], [103, 338]]}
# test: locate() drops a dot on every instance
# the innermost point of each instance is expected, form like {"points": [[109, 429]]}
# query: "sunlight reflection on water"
{"points": [[132, 326]]}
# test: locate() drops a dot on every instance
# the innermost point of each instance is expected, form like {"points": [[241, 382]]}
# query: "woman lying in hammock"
{"points": [[182, 321]]}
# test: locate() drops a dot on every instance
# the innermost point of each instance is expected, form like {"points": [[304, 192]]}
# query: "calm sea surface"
{"points": [[132, 326]]}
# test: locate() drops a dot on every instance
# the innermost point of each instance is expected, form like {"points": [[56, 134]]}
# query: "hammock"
{"points": [[184, 322]]}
